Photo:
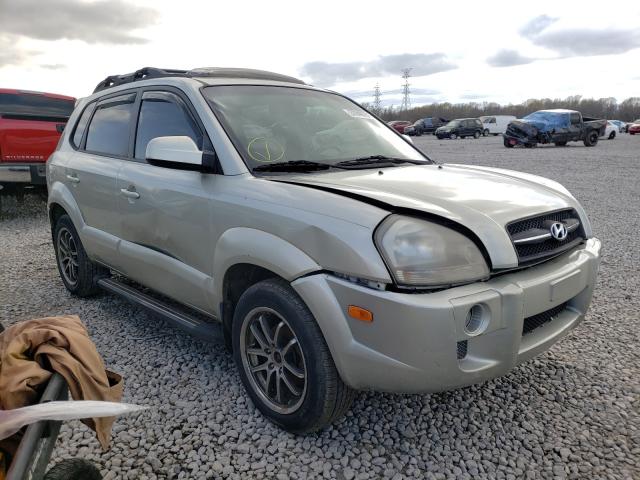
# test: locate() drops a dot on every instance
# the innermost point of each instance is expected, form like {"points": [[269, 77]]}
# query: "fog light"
{"points": [[476, 321]]}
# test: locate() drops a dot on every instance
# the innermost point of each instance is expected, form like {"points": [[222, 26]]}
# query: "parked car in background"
{"points": [[611, 130], [30, 127], [495, 124], [634, 127], [425, 125], [622, 126], [461, 127], [399, 125], [557, 126], [331, 263]]}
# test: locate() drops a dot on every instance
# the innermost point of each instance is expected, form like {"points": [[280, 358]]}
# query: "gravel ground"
{"points": [[571, 413]]}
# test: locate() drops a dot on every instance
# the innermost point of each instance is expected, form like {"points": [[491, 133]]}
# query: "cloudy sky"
{"points": [[473, 52]]}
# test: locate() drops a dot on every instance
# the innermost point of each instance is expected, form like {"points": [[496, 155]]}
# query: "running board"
{"points": [[210, 331]]}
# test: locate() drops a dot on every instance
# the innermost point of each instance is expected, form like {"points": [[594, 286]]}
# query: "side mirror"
{"points": [[178, 150]]}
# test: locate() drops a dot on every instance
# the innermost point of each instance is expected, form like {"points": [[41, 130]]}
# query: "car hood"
{"points": [[482, 199]]}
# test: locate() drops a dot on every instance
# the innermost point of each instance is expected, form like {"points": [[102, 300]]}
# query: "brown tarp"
{"points": [[30, 351]]}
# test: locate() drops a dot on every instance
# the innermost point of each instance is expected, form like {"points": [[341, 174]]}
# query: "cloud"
{"points": [[54, 66], [101, 21], [508, 58], [11, 53], [422, 64], [579, 42], [537, 25], [587, 42]]}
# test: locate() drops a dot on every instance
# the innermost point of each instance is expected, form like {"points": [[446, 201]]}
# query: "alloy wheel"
{"points": [[273, 360], [68, 256]]}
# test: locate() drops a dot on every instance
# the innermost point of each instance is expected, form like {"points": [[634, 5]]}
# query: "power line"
{"points": [[406, 100]]}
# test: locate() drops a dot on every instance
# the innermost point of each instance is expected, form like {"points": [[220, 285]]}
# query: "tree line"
{"points": [[627, 110]]}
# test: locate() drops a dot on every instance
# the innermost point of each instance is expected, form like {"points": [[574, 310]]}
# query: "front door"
{"points": [[166, 212]]}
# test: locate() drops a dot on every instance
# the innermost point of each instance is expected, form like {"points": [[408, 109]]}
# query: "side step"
{"points": [[210, 331]]}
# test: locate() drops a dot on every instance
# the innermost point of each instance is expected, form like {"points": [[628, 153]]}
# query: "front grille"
{"points": [[462, 349], [536, 321], [530, 252]]}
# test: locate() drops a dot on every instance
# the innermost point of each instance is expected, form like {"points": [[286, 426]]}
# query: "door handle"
{"points": [[129, 193], [73, 178]]}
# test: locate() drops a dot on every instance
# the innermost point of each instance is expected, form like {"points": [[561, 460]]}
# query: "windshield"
{"points": [[270, 124], [546, 117], [453, 123]]}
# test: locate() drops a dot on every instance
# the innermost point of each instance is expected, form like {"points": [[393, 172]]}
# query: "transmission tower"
{"points": [[377, 103], [406, 100]]}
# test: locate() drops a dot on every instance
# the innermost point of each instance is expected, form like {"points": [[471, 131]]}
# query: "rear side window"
{"points": [[163, 114], [81, 125], [110, 127], [35, 105]]}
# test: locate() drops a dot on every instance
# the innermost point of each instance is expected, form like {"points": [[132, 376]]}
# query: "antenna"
{"points": [[406, 100], [377, 103]]}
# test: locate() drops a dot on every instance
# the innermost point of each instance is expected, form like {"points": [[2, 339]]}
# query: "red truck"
{"points": [[30, 127]]}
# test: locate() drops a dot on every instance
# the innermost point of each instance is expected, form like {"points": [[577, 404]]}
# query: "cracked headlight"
{"points": [[422, 253]]}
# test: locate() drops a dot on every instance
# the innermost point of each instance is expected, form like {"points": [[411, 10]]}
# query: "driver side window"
{"points": [[163, 114]]}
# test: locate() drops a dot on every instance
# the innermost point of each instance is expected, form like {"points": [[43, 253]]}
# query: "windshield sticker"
{"points": [[264, 150], [357, 113]]}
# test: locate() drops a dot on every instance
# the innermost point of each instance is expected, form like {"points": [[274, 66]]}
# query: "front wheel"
{"points": [[485, 132], [284, 361], [612, 135], [78, 273], [453, 136], [508, 144]]}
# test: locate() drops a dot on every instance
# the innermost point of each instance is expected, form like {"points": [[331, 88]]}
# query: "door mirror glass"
{"points": [[177, 150]]}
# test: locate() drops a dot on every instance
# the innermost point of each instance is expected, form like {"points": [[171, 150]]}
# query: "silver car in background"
{"points": [[333, 254]]}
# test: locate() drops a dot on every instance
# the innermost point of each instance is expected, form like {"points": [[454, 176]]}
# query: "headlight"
{"points": [[421, 253]]}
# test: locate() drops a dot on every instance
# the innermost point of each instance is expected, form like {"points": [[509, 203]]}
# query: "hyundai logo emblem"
{"points": [[558, 231]]}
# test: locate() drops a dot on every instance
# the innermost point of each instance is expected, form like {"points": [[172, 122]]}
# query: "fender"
{"points": [[260, 248], [59, 193]]}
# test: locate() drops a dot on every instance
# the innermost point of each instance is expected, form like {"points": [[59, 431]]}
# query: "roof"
{"points": [[559, 110], [32, 92], [148, 73]]}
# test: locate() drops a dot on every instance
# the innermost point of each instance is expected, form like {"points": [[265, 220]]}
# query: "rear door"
{"points": [[165, 213], [102, 138]]}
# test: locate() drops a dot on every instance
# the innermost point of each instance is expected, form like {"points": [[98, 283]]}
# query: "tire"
{"points": [[591, 140], [507, 144], [612, 135], [485, 132], [476, 135], [73, 469], [453, 136], [294, 351], [79, 274], [561, 144]]}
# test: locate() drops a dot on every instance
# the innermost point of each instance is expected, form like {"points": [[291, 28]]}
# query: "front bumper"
{"points": [[412, 344], [30, 173]]}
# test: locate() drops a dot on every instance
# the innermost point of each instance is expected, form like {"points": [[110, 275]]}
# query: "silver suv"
{"points": [[331, 254]]}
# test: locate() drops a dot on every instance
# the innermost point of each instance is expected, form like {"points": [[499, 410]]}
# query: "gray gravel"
{"points": [[570, 413]]}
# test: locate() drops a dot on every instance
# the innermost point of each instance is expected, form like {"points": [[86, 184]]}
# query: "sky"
{"points": [[495, 52]]}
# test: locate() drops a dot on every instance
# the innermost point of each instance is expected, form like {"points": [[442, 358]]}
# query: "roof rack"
{"points": [[216, 72]]}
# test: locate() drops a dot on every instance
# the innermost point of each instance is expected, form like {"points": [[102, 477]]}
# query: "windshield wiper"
{"points": [[292, 166], [377, 160]]}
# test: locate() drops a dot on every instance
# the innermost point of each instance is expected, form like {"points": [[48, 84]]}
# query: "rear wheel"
{"points": [[73, 469], [78, 273], [476, 135], [612, 135], [591, 140], [283, 359]]}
